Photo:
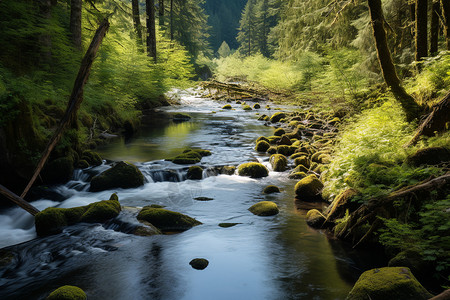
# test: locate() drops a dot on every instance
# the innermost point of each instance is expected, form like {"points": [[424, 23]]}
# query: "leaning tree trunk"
{"points": [[75, 23], [137, 21], [445, 6], [434, 27], [421, 29], [151, 31], [75, 99], [409, 105]]}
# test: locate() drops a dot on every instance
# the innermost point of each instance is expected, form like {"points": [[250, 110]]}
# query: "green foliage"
{"points": [[224, 50]]}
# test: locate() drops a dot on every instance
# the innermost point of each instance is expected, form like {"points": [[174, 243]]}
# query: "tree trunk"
{"points": [[161, 13], [151, 31], [171, 20], [19, 201], [45, 40], [75, 23], [387, 65], [75, 99], [421, 29], [445, 6], [137, 21], [436, 120], [434, 27]]}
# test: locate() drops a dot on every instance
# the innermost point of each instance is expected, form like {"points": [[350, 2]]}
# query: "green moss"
{"points": [[195, 173], [308, 188], [388, 283], [262, 146], [301, 160], [82, 164], [315, 218], [227, 106], [274, 139], [228, 170], [285, 141], [67, 292], [279, 132], [167, 220], [263, 118], [278, 162], [270, 189], [297, 175], [59, 170], [101, 211], [121, 175], [276, 117], [286, 150], [246, 107], [324, 158], [50, 221], [264, 208], [272, 150], [256, 106], [93, 158], [253, 169], [262, 138]]}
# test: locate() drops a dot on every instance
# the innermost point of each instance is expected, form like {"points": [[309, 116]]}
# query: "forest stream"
{"points": [[276, 257]]}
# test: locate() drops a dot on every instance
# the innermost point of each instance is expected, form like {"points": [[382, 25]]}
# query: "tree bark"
{"points": [[434, 27], [390, 76], [74, 101], [18, 200], [45, 40], [421, 29], [445, 7], [161, 13], [171, 20], [75, 23], [137, 20], [151, 31]]}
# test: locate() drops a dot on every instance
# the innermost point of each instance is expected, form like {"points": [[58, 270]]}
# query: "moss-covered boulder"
{"points": [[315, 218], [279, 162], [93, 158], [82, 164], [272, 150], [67, 292], [166, 220], [263, 118], [202, 152], [297, 175], [388, 283], [279, 132], [228, 170], [53, 219], [199, 263], [262, 146], [270, 189], [121, 175], [195, 173], [429, 156], [246, 107], [180, 117], [262, 138], [276, 117], [227, 106], [414, 261], [308, 189], [256, 106], [59, 170], [253, 169], [228, 225], [286, 150], [273, 139], [264, 208], [301, 160], [285, 140]]}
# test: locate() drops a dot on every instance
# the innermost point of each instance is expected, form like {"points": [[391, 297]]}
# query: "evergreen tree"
{"points": [[421, 29], [137, 20], [247, 36], [151, 31], [224, 50], [445, 7]]}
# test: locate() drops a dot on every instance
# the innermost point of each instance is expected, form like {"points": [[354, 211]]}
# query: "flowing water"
{"points": [[276, 257]]}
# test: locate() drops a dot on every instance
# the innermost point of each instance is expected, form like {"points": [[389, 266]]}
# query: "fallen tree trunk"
{"points": [[75, 100], [436, 120], [236, 88], [18, 200]]}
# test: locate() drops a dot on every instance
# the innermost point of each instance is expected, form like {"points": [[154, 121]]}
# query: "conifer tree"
{"points": [[247, 29], [137, 20], [445, 7], [434, 27], [224, 50], [151, 31], [421, 26]]}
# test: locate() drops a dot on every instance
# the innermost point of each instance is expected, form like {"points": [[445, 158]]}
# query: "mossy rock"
{"points": [[429, 156], [228, 170], [67, 292], [276, 117], [315, 218], [93, 158], [279, 132], [228, 225], [301, 161], [270, 189], [297, 175], [308, 189], [59, 170], [202, 152], [53, 219], [297, 154], [388, 283], [293, 124], [334, 121], [279, 162], [300, 168], [264, 208], [342, 203], [166, 220], [256, 106], [286, 150], [199, 263], [227, 106], [187, 157], [121, 175], [285, 140], [246, 107], [274, 139], [146, 230], [262, 146], [262, 138], [316, 156], [195, 173], [181, 117], [82, 164], [253, 169], [272, 150], [263, 118], [414, 261]]}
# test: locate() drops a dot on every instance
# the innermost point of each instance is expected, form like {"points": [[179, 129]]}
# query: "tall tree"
{"points": [[445, 7], [75, 23], [151, 30], [434, 27], [171, 20], [421, 29], [247, 29], [45, 40], [262, 23], [137, 20], [390, 76], [161, 13]]}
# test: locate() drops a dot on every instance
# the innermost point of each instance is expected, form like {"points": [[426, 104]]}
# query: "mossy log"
{"points": [[254, 94]]}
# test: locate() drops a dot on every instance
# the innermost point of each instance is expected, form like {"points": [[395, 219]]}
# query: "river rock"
{"points": [[253, 169], [270, 189], [429, 156], [276, 117], [53, 219], [279, 132], [279, 162], [181, 117], [93, 158], [388, 283], [264, 208], [167, 220], [195, 173], [121, 175], [308, 189], [199, 263], [59, 170], [228, 225], [315, 218], [67, 292], [228, 170], [285, 140], [262, 146]]}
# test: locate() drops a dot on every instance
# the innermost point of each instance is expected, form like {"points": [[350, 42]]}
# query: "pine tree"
{"points": [[247, 30], [151, 31], [137, 20], [421, 29], [224, 50]]}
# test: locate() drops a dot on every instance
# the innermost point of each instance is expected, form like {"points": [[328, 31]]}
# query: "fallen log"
{"points": [[236, 88], [18, 200], [74, 101]]}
